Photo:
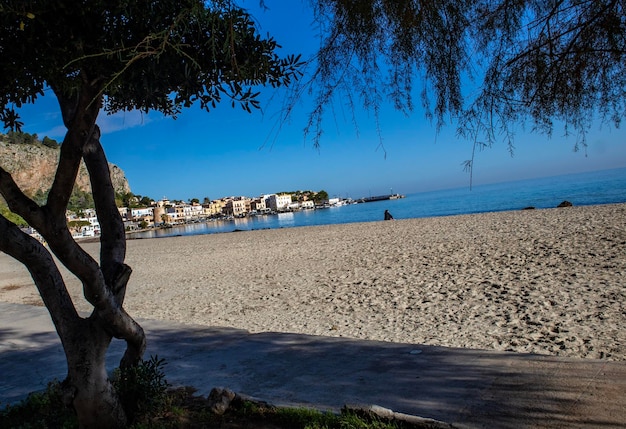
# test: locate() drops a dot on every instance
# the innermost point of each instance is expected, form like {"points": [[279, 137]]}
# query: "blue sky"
{"points": [[231, 152]]}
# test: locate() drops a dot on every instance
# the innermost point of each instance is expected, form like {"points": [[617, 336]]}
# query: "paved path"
{"points": [[467, 388]]}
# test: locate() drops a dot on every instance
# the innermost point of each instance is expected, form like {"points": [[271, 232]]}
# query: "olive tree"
{"points": [[105, 55]]}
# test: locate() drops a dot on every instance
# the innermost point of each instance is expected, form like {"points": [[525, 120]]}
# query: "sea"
{"points": [[591, 188]]}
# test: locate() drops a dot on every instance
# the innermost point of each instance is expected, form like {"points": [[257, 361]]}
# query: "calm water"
{"points": [[601, 187]]}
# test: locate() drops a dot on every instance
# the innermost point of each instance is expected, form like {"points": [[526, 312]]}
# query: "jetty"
{"points": [[380, 198]]}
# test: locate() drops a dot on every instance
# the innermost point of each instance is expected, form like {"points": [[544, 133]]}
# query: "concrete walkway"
{"points": [[467, 388]]}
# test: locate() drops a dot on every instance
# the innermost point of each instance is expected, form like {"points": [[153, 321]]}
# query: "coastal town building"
{"points": [[307, 204], [258, 205], [33, 233], [91, 230], [84, 225], [159, 214], [278, 202], [192, 211], [172, 218], [142, 215], [166, 212], [214, 208], [123, 213], [237, 207]]}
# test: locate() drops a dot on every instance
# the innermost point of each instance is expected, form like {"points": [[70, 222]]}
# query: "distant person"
{"points": [[388, 215]]}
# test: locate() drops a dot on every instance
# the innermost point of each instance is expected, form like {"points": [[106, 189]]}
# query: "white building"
{"points": [[278, 202], [123, 213], [141, 213], [187, 211], [308, 204], [91, 230], [33, 233], [196, 211]]}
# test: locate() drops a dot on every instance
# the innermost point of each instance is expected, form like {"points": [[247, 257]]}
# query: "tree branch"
{"points": [[18, 202], [80, 118], [112, 254], [113, 237], [44, 272]]}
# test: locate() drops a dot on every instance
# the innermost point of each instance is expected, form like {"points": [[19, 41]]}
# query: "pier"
{"points": [[380, 198]]}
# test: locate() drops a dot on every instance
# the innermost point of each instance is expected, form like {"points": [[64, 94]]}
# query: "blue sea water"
{"points": [[599, 187]]}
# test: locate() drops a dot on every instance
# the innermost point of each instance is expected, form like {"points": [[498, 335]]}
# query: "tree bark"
{"points": [[87, 385], [85, 340], [112, 254]]}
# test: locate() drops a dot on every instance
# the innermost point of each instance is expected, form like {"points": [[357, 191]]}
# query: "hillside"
{"points": [[33, 166]]}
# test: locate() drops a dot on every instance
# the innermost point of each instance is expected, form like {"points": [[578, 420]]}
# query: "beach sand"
{"points": [[543, 281]]}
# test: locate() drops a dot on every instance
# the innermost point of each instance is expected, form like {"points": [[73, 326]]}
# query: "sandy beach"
{"points": [[542, 281]]}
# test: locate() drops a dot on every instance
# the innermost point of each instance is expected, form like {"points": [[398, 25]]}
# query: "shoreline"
{"points": [[546, 281], [129, 234]]}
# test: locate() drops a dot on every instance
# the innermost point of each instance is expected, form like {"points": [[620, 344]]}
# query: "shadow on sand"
{"points": [[468, 388]]}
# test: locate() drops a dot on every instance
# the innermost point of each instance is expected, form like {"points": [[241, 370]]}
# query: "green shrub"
{"points": [[40, 410], [142, 388]]}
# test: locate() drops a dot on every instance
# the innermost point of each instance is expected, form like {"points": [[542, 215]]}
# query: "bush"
{"points": [[40, 410], [142, 388]]}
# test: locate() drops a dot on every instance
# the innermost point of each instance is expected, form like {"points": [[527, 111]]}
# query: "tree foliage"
{"points": [[550, 61], [80, 200], [163, 56], [320, 196], [486, 65], [51, 143], [12, 217], [76, 225], [17, 137], [133, 201]]}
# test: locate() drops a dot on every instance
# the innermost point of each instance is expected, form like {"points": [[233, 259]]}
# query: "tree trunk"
{"points": [[87, 384], [85, 340]]}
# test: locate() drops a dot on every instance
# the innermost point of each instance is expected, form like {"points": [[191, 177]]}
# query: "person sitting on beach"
{"points": [[388, 215]]}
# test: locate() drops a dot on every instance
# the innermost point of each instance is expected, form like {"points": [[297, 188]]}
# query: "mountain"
{"points": [[34, 164]]}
